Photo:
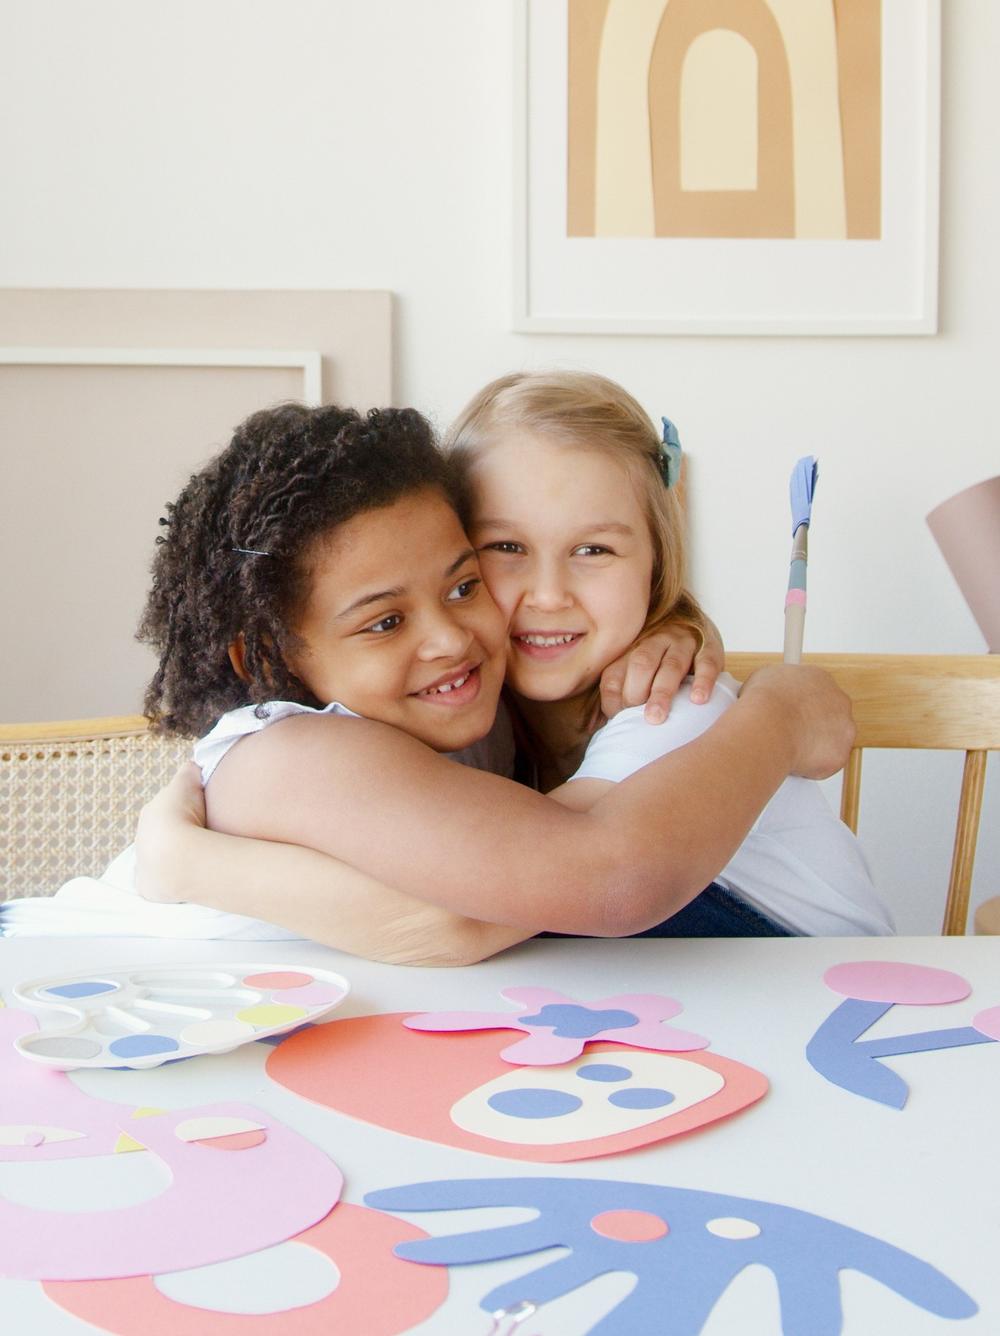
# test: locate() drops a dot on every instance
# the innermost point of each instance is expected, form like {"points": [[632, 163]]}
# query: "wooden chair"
{"points": [[70, 794], [941, 702]]}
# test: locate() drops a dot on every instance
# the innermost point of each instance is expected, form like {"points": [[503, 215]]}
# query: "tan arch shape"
{"points": [[768, 211]]}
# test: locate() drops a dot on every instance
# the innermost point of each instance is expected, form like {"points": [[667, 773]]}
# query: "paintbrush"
{"points": [[801, 489]]}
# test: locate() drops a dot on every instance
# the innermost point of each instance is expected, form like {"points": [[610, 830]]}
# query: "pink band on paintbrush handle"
{"points": [[795, 598]]}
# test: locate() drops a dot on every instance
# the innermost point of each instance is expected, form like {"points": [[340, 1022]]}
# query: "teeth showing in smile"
{"points": [[545, 642], [447, 686]]}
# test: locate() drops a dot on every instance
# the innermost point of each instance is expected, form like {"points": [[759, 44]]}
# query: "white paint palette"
{"points": [[145, 1017]]}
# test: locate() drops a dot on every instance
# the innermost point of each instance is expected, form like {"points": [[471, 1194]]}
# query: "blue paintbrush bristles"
{"points": [[801, 488]]}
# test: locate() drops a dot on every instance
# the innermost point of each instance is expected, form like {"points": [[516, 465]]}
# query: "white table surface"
{"points": [[926, 1179]]}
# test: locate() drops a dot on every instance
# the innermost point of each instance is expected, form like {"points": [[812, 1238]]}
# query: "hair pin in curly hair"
{"points": [[250, 551]]}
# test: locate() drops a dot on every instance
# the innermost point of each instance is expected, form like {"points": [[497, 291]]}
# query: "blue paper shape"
{"points": [[570, 1020], [603, 1071], [534, 1102], [681, 1274], [837, 1051]]}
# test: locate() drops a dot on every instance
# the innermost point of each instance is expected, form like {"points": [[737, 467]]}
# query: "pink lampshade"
{"points": [[966, 528]]}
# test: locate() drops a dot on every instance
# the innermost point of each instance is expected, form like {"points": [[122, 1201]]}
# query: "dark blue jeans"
{"points": [[716, 912]]}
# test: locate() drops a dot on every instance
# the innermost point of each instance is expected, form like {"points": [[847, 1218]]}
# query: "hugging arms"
{"points": [[401, 855]]}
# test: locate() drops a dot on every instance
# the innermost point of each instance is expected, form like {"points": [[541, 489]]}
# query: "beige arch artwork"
{"points": [[724, 118]]}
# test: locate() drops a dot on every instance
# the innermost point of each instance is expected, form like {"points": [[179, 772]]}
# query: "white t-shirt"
{"points": [[494, 752], [800, 865]]}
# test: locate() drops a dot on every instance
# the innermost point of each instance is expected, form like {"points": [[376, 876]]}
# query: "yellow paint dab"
{"points": [[272, 1013]]}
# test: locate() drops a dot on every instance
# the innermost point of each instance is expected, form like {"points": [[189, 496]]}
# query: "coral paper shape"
{"points": [[457, 1090], [354, 1238]]}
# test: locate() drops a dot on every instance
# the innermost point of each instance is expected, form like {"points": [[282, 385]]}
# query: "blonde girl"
{"points": [[569, 503]]}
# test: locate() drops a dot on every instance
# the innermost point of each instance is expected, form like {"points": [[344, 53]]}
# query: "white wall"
{"points": [[366, 143]]}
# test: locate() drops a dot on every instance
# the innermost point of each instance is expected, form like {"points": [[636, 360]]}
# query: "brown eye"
{"points": [[386, 624], [508, 548], [465, 589]]}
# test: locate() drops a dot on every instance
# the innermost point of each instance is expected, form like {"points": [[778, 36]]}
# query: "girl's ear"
{"points": [[237, 657]]}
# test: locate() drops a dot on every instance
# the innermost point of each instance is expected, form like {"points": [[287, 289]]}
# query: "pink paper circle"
{"points": [[629, 1226], [279, 979], [894, 981], [988, 1022]]}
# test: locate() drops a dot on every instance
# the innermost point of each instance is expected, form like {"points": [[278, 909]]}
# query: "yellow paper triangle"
{"points": [[146, 1112], [125, 1142]]}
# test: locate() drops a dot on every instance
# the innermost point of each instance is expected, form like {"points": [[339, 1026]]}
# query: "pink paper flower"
{"points": [[558, 1027]]}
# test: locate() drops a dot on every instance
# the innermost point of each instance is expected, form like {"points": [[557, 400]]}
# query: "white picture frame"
{"points": [[739, 286], [309, 361]]}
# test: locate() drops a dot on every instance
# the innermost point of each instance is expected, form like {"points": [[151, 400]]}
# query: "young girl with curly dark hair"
{"points": [[279, 560]]}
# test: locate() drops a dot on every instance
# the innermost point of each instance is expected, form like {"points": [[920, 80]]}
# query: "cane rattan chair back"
{"points": [[940, 702], [70, 794]]}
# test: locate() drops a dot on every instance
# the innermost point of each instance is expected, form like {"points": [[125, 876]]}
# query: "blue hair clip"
{"points": [[670, 454]]}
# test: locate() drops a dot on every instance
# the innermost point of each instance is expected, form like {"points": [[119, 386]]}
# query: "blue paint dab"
{"points": [[142, 1045], [572, 1021], [641, 1097], [85, 988], [531, 1102], [603, 1071]]}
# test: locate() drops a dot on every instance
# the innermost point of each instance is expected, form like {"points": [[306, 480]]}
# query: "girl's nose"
{"points": [[445, 638], [547, 590]]}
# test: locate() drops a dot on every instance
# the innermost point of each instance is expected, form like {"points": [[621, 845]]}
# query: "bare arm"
{"points": [[480, 846], [303, 890]]}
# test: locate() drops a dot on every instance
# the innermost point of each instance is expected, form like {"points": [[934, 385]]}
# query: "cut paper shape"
{"points": [[352, 1237], [682, 1271], [988, 1022], [872, 989], [896, 981], [142, 1018], [558, 1026], [216, 1206], [375, 1069], [125, 1144], [554, 1106]]}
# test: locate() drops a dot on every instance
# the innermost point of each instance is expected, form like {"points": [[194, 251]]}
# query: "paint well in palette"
{"points": [[145, 1017], [266, 1015], [210, 1033], [311, 995], [65, 1046], [277, 980], [83, 988], [142, 1045]]}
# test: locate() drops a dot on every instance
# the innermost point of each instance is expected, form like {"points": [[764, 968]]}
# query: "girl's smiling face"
{"points": [[566, 551], [399, 626]]}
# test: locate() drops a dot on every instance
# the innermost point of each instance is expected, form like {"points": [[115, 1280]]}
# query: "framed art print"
{"points": [[727, 166]]}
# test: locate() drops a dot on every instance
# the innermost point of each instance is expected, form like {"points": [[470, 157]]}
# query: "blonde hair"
{"points": [[590, 412]]}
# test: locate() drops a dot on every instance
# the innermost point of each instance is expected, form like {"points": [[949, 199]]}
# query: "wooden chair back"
{"points": [[71, 792], [941, 702]]}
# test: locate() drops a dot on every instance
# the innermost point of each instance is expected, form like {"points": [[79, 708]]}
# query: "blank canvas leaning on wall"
{"points": [[92, 450]]}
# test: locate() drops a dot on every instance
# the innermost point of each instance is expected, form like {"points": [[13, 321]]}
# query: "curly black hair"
{"points": [[232, 559]]}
